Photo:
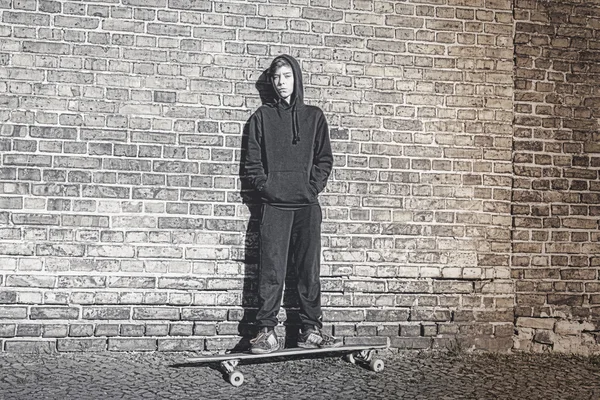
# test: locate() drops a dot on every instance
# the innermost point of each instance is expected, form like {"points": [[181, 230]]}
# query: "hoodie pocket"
{"points": [[288, 187]]}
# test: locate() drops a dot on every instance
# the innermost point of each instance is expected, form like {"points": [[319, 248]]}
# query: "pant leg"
{"points": [[306, 245], [275, 232]]}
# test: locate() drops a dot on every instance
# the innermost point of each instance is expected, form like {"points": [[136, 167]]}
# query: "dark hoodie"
{"points": [[289, 154]]}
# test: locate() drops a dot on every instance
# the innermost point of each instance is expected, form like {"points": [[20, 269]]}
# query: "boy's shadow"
{"points": [[247, 328]]}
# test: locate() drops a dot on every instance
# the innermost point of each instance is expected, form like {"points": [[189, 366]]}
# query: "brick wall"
{"points": [[123, 224], [557, 188]]}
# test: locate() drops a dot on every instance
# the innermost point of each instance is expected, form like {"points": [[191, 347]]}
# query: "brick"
{"points": [[405, 22], [54, 330], [279, 11], [76, 22], [301, 39], [452, 287], [50, 132], [13, 312], [106, 313], [132, 282], [61, 250], [203, 314], [159, 252], [332, 315], [132, 344], [7, 330], [387, 315], [43, 312], [132, 330], [407, 286], [182, 283], [410, 343], [145, 55], [168, 30], [46, 48], [205, 329], [214, 33], [111, 251], [17, 249], [365, 340], [37, 281], [222, 343], [192, 344], [420, 314], [8, 297], [196, 5], [104, 134], [33, 347], [81, 330], [81, 345], [28, 160], [162, 313], [224, 284], [322, 14], [25, 18]]}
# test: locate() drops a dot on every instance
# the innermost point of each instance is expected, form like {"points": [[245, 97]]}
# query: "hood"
{"points": [[297, 99]]}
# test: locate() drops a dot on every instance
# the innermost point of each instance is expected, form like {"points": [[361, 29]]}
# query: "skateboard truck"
{"points": [[366, 358], [236, 378]]}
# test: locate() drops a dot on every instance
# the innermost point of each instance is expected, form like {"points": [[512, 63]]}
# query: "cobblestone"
{"points": [[408, 375]]}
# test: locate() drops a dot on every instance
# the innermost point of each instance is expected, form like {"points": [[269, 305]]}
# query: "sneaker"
{"points": [[265, 342], [316, 338]]}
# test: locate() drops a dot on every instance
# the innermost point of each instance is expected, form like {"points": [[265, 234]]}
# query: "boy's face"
{"points": [[283, 82]]}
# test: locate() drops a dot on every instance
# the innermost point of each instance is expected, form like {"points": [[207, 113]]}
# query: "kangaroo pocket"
{"points": [[288, 187]]}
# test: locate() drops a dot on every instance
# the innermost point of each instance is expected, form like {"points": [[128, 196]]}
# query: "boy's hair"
{"points": [[278, 63]]}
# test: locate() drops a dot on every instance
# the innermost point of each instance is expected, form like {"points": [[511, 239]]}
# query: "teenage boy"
{"points": [[288, 162]]}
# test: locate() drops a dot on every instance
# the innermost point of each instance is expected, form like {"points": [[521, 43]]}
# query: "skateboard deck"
{"points": [[364, 355]]}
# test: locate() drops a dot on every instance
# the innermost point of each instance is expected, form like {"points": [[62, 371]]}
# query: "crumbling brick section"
{"points": [[556, 197], [125, 226]]}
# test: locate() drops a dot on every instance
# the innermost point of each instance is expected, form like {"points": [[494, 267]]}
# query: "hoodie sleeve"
{"points": [[255, 171], [322, 157]]}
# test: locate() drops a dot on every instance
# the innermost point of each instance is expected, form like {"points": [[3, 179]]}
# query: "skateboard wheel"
{"points": [[236, 378], [350, 358], [376, 365]]}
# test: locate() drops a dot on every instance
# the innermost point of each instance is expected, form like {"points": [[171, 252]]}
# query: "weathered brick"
{"points": [[7, 330], [108, 313], [38, 281], [43, 312], [81, 345], [25, 18], [192, 344], [162, 313], [132, 282], [17, 249], [410, 343], [35, 347], [13, 312], [387, 315], [279, 11], [132, 344], [181, 283], [421, 314], [196, 5]]}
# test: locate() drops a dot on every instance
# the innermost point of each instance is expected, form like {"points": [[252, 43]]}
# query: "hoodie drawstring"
{"points": [[295, 128]]}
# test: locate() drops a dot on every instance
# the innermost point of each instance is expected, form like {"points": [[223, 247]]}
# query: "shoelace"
{"points": [[326, 337], [261, 336]]}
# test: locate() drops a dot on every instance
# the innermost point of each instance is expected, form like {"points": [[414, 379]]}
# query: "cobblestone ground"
{"points": [[406, 376]]}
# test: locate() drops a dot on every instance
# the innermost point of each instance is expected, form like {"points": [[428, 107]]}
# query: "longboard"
{"points": [[364, 355]]}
